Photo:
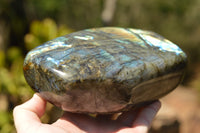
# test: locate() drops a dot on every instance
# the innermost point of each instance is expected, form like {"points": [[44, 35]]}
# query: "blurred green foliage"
{"points": [[42, 31], [12, 84], [25, 24], [2, 58], [13, 87]]}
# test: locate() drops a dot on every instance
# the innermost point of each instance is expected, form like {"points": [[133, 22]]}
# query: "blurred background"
{"points": [[25, 24]]}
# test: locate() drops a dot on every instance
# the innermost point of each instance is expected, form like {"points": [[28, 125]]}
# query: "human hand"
{"points": [[27, 120]]}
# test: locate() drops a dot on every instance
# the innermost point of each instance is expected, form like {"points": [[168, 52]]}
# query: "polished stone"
{"points": [[104, 70]]}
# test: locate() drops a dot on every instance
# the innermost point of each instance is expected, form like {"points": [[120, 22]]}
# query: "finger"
{"points": [[128, 117], [80, 122], [133, 130], [77, 118], [28, 115], [145, 117]]}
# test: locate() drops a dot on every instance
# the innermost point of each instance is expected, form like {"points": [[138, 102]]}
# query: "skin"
{"points": [[27, 120]]}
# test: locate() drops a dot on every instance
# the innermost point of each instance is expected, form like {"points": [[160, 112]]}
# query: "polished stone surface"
{"points": [[104, 70]]}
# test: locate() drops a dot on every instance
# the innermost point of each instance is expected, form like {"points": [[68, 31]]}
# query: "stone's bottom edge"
{"points": [[87, 102]]}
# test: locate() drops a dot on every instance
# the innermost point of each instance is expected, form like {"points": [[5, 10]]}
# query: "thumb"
{"points": [[27, 115]]}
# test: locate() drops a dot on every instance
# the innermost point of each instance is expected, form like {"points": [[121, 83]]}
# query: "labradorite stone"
{"points": [[104, 70]]}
